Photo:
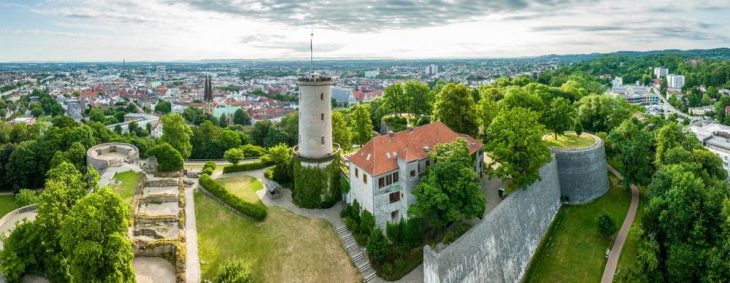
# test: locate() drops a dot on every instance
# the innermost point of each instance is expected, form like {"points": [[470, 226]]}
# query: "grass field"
{"points": [[243, 186], [573, 251], [630, 251], [284, 248], [129, 181], [7, 204], [570, 140]]}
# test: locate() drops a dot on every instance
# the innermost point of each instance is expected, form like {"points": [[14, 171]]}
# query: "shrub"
{"points": [[209, 164], [254, 211], [269, 173], [456, 232], [26, 197], [233, 271], [377, 246], [233, 155], [207, 171], [606, 226], [168, 158], [423, 120], [252, 151], [245, 167]]}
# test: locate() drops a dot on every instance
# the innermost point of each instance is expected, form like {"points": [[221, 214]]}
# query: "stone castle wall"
{"points": [[499, 248], [583, 172]]}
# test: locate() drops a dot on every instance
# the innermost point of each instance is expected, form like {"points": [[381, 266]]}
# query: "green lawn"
{"points": [[129, 181], [243, 186], [570, 140], [283, 248], [573, 251], [7, 204], [630, 251]]}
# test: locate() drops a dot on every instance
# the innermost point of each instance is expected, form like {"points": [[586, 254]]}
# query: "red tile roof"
{"points": [[378, 156]]}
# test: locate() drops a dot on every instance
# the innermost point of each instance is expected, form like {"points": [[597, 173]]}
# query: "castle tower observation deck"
{"points": [[315, 120]]}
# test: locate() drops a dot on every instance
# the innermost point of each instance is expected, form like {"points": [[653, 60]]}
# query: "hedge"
{"points": [[246, 167], [254, 211]]}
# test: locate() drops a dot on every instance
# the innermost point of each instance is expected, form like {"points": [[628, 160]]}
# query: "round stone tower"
{"points": [[315, 120], [316, 167]]}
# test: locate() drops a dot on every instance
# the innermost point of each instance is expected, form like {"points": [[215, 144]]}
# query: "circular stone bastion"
{"points": [[582, 171], [107, 155]]}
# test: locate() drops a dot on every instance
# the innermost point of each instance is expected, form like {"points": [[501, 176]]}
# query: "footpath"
{"points": [[618, 244]]}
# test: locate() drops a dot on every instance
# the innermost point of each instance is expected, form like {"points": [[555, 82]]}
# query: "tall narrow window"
{"points": [[322, 140], [321, 96], [394, 216], [356, 173], [321, 116], [381, 182], [365, 178], [395, 177]]}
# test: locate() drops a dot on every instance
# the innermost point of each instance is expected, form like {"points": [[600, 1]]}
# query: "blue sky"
{"points": [[89, 30]]}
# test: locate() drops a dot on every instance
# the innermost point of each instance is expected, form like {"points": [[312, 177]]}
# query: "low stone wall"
{"points": [[499, 248], [583, 172]]}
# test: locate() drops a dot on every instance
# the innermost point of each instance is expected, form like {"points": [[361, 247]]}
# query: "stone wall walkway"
{"points": [[618, 244]]}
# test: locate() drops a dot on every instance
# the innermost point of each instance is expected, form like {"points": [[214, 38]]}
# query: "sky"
{"points": [[165, 30]]}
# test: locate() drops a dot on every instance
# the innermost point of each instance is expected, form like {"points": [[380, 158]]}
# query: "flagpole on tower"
{"points": [[311, 50]]}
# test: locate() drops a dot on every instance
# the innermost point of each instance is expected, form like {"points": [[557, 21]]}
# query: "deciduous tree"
{"points": [[456, 108], [176, 132], [514, 141]]}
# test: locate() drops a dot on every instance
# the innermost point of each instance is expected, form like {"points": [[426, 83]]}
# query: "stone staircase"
{"points": [[356, 253]]}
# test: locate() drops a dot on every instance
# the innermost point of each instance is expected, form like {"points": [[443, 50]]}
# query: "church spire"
{"points": [[208, 93]]}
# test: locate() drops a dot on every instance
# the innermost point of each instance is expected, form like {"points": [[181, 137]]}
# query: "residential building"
{"points": [[343, 96], [384, 172], [716, 138], [372, 74], [638, 95], [675, 81], [660, 72], [432, 69]]}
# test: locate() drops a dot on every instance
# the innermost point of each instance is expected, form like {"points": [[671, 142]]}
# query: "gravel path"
{"points": [[153, 270], [618, 244], [192, 266]]}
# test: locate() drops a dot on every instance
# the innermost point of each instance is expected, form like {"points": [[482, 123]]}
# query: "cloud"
{"points": [[267, 41], [359, 16]]}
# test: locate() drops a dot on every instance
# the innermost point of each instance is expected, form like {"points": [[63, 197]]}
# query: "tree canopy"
{"points": [[456, 108], [514, 141], [176, 132]]}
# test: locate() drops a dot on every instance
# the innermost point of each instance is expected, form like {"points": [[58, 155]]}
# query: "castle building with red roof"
{"points": [[384, 172]]}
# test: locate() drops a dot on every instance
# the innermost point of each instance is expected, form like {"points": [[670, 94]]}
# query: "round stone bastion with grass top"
{"points": [[107, 155], [582, 167]]}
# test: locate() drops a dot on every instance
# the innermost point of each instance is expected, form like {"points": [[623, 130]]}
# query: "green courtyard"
{"points": [[283, 248], [573, 250], [126, 189], [7, 204]]}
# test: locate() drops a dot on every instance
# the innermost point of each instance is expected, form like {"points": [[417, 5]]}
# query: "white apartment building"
{"points": [[660, 72], [675, 81]]}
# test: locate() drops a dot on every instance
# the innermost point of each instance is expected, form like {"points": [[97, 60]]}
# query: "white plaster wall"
{"points": [[360, 191], [314, 100]]}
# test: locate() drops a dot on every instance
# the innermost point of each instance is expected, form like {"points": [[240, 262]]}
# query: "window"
{"points": [[365, 178], [428, 163], [356, 173], [394, 216], [321, 96], [381, 182], [395, 177], [321, 116], [394, 197], [388, 180], [322, 140], [413, 173]]}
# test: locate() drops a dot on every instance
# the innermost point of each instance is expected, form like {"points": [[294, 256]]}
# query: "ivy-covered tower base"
{"points": [[316, 162], [316, 184]]}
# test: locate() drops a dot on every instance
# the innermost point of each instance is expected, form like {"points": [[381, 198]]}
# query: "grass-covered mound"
{"points": [[570, 140]]}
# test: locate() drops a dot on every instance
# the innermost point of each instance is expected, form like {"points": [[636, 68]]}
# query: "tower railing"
{"points": [[320, 159]]}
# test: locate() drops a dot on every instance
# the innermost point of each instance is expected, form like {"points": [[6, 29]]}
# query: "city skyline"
{"points": [[135, 30]]}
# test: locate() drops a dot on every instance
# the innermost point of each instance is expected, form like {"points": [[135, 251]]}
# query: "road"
{"points": [[668, 106], [618, 244]]}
